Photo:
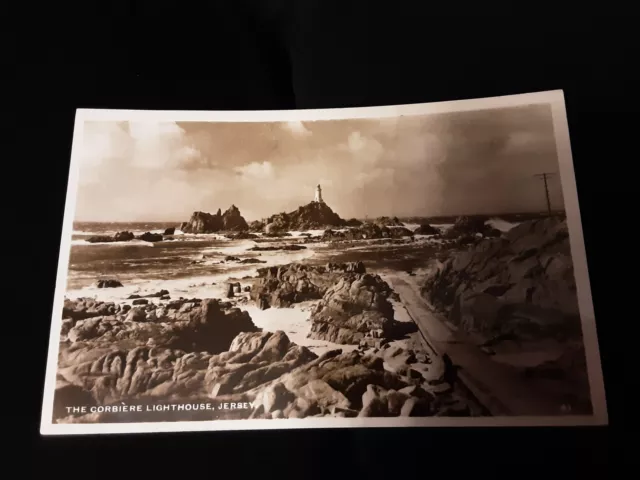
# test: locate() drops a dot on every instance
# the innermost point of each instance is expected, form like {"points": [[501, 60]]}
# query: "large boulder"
{"points": [[108, 283], [123, 236], [355, 309], [151, 237]]}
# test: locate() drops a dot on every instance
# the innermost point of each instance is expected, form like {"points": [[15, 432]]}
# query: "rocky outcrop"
{"points": [[288, 284], [242, 260], [356, 309], [388, 222], [520, 285], [150, 237], [158, 294], [169, 231], [233, 221], [274, 248], [88, 307], [202, 222], [366, 231], [471, 227], [241, 236], [124, 236], [264, 372], [426, 229], [256, 226], [314, 215], [108, 283], [194, 325]]}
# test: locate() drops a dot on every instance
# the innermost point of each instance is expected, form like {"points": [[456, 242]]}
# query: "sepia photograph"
{"points": [[417, 265]]}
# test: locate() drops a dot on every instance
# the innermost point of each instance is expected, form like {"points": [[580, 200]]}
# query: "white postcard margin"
{"points": [[554, 98]]}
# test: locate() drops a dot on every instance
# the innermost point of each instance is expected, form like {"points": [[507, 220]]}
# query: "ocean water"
{"points": [[194, 265], [177, 262]]}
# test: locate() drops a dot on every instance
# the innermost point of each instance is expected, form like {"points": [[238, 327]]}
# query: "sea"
{"points": [[196, 265], [180, 263]]}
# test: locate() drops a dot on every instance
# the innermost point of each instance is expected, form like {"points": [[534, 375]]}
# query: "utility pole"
{"points": [[544, 176]]}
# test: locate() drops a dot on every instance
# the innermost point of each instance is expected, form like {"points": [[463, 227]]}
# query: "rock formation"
{"points": [[201, 222], [256, 226], [108, 283], [284, 285], [471, 226], [520, 284], [150, 237], [367, 231], [388, 222], [195, 325], [265, 371], [426, 229], [244, 235], [125, 237], [314, 215], [274, 248], [118, 237], [356, 309], [233, 221]]}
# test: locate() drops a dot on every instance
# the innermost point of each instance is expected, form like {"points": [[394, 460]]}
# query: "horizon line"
{"points": [[372, 217]]}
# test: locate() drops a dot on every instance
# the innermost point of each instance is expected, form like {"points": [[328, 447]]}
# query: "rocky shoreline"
{"points": [[508, 292], [514, 296], [204, 350]]}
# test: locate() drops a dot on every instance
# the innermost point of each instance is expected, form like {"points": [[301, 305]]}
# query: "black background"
{"points": [[245, 55]]}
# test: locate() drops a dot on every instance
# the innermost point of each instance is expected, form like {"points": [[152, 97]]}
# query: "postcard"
{"points": [[398, 266]]}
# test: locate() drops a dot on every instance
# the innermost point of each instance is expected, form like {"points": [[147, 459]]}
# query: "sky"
{"points": [[479, 162]]}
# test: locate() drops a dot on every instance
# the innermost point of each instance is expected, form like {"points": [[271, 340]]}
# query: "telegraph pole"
{"points": [[544, 176]]}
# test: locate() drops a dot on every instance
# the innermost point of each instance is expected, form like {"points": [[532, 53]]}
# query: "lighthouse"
{"points": [[318, 197]]}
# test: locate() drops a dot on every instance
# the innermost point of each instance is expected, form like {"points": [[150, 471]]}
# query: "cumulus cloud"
{"points": [[441, 164]]}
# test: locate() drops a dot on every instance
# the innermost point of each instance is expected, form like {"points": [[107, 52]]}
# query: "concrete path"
{"points": [[498, 387]]}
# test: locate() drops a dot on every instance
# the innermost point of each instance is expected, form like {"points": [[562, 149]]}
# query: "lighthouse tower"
{"points": [[318, 197]]}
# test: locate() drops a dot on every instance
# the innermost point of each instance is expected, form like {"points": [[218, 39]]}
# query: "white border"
{"points": [[554, 98]]}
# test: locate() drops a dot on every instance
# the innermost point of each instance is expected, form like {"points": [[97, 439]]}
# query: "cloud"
{"points": [[159, 145], [103, 141], [297, 128], [441, 164], [256, 170]]}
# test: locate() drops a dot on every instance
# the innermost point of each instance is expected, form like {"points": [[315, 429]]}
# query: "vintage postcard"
{"points": [[402, 266]]}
